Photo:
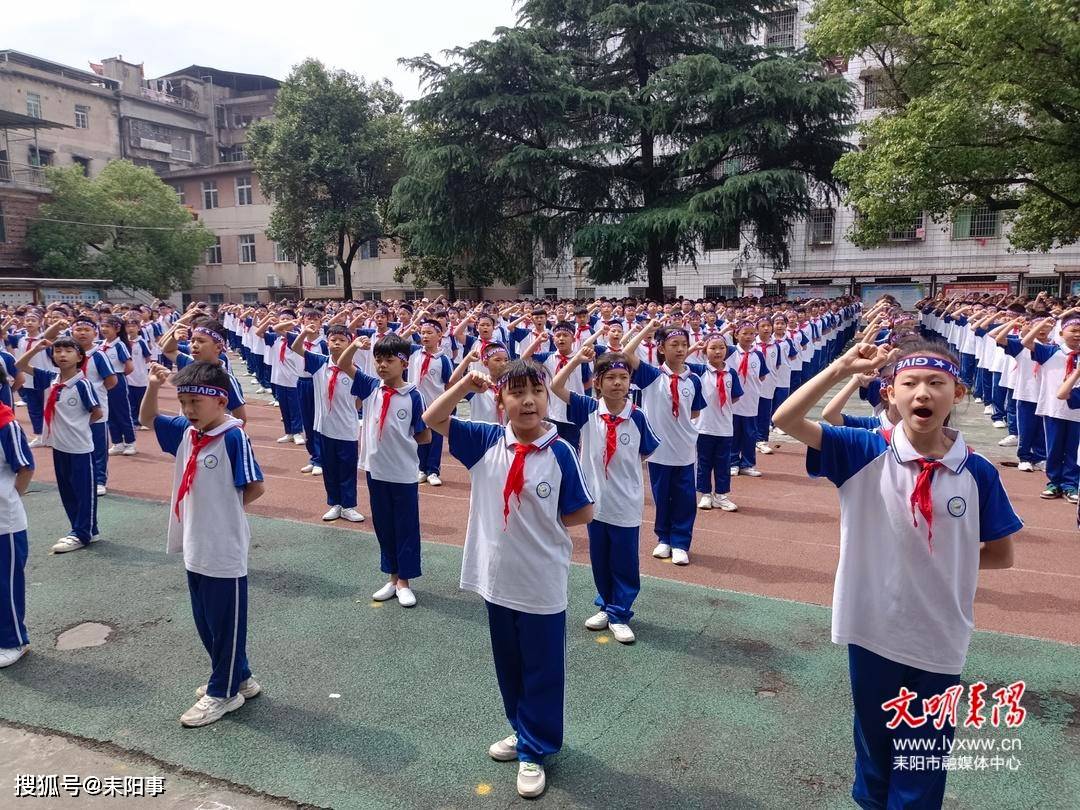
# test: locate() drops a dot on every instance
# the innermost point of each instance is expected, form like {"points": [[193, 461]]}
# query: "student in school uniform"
{"points": [[429, 370], [771, 350], [34, 398], [71, 407], [215, 477], [205, 346], [16, 470], [114, 344], [615, 438], [141, 358], [335, 421], [483, 405], [305, 387], [721, 389], [903, 604], [1062, 424], [527, 488], [553, 362], [1031, 439], [750, 366], [391, 432], [101, 374], [284, 372], [671, 398]]}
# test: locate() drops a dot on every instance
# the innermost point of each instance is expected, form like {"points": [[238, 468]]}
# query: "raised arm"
{"points": [[23, 363], [438, 413], [833, 413], [630, 350], [558, 385], [346, 359], [157, 375]]}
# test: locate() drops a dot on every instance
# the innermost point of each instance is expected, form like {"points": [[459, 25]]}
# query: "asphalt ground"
{"points": [[728, 699]]}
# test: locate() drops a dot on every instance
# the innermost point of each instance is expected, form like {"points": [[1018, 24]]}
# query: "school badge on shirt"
{"points": [[543, 489]]}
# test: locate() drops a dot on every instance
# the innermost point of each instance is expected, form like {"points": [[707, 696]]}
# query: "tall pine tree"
{"points": [[629, 131]]}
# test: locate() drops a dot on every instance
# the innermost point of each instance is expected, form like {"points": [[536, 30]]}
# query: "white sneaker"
{"points": [[275, 404], [1025, 466], [434, 480], [298, 438], [285, 439], [35, 442], [387, 591], [307, 468], [598, 621], [662, 551], [530, 780], [10, 656], [1040, 466], [764, 449], [129, 450], [989, 409], [249, 689], [421, 478], [725, 503], [734, 471], [101, 490], [751, 471], [66, 544], [622, 632], [1009, 441], [20, 404], [351, 515], [504, 750], [264, 391], [705, 502], [116, 449], [406, 597], [141, 427], [679, 557], [1000, 423], [316, 470], [333, 513], [779, 432], [977, 400], [209, 710]]}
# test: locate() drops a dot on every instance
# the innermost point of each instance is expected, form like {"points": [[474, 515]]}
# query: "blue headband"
{"points": [[210, 333], [618, 364], [203, 390], [923, 363], [676, 332]]}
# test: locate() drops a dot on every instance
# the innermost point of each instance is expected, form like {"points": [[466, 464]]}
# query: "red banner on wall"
{"points": [[960, 288]]}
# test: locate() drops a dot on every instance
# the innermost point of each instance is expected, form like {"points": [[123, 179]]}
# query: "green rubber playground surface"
{"points": [[726, 700]]}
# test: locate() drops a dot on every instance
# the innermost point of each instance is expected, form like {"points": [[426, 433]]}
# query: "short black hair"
{"points": [[200, 373], [68, 343], [338, 329], [392, 345], [525, 370], [604, 363]]}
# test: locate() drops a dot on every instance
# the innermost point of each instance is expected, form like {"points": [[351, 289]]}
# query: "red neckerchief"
{"points": [[721, 387], [7, 416], [515, 477], [560, 364], [86, 360], [650, 346], [612, 423], [922, 497], [427, 362], [388, 394], [1070, 364], [744, 365], [284, 345], [334, 372], [29, 344], [50, 405], [198, 442], [581, 328], [675, 395]]}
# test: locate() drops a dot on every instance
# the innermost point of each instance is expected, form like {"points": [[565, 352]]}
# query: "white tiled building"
{"points": [[971, 249]]}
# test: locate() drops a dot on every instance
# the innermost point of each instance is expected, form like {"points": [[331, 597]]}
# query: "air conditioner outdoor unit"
{"points": [[736, 272], [273, 281]]}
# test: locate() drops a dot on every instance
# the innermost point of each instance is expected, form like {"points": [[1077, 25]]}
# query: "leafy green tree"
{"points": [[329, 159], [627, 131], [123, 224], [982, 106]]}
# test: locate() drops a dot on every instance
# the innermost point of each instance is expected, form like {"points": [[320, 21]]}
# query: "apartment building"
{"points": [[969, 250]]}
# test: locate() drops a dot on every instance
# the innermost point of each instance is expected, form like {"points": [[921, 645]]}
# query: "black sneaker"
{"points": [[1052, 491]]}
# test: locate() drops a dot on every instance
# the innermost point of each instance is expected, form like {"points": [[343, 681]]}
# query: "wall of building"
{"points": [[17, 206]]}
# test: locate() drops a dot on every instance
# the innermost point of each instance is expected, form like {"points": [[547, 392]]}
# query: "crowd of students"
{"points": [[565, 402]]}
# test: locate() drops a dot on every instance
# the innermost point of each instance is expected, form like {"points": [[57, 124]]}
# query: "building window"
{"points": [[213, 253], [82, 117], [232, 154], [723, 238], [819, 228], [912, 232], [372, 295], [780, 28], [549, 246], [40, 157], [1033, 285], [250, 298], [974, 223], [179, 189], [33, 105], [327, 277], [247, 248], [584, 292], [716, 291], [280, 254], [209, 194], [83, 163], [243, 190], [217, 298], [551, 292], [643, 292], [370, 249], [3, 226], [242, 120]]}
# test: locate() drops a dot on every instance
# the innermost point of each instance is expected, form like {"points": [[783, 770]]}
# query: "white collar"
{"points": [[954, 459], [230, 422], [549, 435], [628, 407]]}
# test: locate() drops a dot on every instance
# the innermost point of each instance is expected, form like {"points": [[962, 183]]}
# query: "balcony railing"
{"points": [[22, 174], [167, 98]]}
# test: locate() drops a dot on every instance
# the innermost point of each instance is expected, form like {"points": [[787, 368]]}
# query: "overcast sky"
{"points": [[252, 36]]}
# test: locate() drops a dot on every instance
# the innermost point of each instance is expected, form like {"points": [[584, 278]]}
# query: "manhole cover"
{"points": [[87, 634]]}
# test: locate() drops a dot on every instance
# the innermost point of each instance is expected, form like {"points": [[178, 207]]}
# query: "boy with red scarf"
{"points": [[215, 477]]}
